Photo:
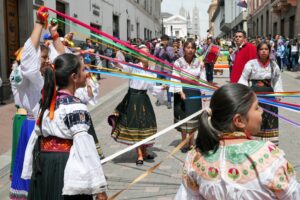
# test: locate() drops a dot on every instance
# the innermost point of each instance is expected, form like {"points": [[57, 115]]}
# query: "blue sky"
{"points": [[173, 6]]}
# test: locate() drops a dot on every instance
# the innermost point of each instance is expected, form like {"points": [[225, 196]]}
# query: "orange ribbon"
{"points": [[53, 100]]}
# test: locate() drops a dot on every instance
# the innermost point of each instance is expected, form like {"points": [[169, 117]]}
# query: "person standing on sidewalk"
{"points": [[166, 53], [209, 67], [245, 52], [263, 75], [184, 107], [294, 55]]}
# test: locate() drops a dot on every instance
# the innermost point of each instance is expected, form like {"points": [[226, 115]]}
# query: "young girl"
{"points": [[226, 163], [137, 119], [64, 163], [26, 89], [263, 75], [184, 107]]}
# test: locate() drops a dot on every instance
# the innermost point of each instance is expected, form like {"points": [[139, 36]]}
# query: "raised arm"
{"points": [[58, 45]]}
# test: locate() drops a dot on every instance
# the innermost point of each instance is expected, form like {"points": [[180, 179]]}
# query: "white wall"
{"points": [[108, 8], [182, 28], [217, 29]]}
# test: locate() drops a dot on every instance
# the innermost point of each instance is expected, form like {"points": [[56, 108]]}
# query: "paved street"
{"points": [[163, 183]]}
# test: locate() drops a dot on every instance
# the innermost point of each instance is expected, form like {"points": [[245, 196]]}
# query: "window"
{"points": [[95, 26], [61, 26], [292, 27], [262, 25], [128, 29], [116, 26], [137, 29], [282, 27], [267, 23], [275, 31]]}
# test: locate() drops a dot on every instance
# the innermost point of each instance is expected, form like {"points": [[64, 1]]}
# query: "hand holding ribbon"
{"points": [[42, 16]]}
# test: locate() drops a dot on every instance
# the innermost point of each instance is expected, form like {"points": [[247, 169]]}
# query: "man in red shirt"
{"points": [[245, 52]]}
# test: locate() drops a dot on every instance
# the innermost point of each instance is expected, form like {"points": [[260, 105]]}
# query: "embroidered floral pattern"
{"points": [[236, 153], [213, 172], [233, 173], [273, 149]]}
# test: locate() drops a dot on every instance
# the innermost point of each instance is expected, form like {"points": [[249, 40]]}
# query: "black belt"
{"points": [[135, 91]]}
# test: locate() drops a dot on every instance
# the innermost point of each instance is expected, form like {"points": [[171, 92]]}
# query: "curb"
{"points": [[6, 157], [5, 163]]}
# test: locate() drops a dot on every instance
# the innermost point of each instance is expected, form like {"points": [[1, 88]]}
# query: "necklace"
{"points": [[262, 64], [234, 135]]}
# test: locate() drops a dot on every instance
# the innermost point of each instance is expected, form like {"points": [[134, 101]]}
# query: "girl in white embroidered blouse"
{"points": [[226, 163], [63, 160], [263, 75]]}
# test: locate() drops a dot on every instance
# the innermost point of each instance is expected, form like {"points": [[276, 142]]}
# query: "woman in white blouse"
{"points": [[64, 163], [136, 118], [263, 75], [184, 107]]}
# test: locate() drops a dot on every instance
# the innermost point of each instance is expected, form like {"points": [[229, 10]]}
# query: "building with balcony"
{"points": [[271, 17], [121, 18], [227, 18]]}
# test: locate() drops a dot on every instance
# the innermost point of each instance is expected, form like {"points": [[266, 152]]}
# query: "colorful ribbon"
{"points": [[43, 14], [125, 44]]}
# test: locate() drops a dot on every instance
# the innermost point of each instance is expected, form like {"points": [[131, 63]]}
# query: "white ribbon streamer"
{"points": [[162, 132]]}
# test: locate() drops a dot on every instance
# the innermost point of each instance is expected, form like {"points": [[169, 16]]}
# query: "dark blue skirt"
{"points": [[20, 187]]}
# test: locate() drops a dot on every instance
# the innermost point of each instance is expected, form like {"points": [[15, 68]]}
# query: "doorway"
{"points": [[12, 31], [61, 7]]}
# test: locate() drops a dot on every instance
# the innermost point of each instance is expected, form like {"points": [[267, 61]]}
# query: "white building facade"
{"points": [[176, 25], [121, 18], [228, 17]]}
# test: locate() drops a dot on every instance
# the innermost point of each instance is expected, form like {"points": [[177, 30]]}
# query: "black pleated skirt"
{"points": [[47, 179], [136, 119], [269, 127], [185, 108]]}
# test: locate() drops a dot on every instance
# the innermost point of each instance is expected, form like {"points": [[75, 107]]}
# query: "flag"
{"points": [[242, 3]]}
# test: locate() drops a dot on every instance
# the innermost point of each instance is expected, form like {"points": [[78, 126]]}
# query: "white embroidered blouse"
{"points": [[254, 71], [195, 69], [83, 171], [249, 170]]}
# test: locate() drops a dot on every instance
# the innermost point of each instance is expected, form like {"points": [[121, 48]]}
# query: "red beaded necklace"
{"points": [[262, 64]]}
